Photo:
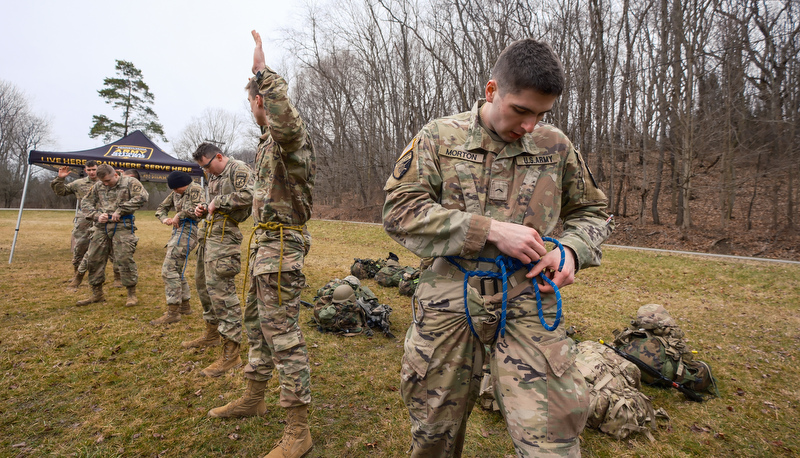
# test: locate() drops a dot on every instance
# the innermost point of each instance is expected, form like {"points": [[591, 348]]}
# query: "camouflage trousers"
{"points": [[182, 242], [274, 335], [540, 392], [120, 239], [81, 235], [215, 279]]}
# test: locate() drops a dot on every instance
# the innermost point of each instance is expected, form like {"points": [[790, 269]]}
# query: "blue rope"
{"points": [[508, 264], [122, 219], [192, 223]]}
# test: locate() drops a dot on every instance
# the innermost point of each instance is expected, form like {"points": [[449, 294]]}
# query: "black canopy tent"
{"points": [[134, 151]]}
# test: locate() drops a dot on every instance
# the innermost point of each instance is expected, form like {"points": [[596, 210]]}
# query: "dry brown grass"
{"points": [[100, 381]]}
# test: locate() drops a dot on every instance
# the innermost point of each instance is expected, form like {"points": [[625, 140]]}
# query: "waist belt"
{"points": [[224, 217], [489, 287], [270, 226]]}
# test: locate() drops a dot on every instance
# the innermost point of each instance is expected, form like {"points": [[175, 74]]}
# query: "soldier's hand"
{"points": [[549, 264], [175, 222], [518, 241], [103, 218], [167, 222], [259, 63], [200, 210], [115, 216], [211, 207], [63, 171]]}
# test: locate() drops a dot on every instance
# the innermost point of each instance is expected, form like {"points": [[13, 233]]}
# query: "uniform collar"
{"points": [[479, 138]]}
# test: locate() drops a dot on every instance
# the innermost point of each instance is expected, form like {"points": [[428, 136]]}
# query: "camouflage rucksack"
{"points": [[365, 305], [366, 268], [655, 338], [391, 274], [408, 284], [338, 311], [616, 406]]}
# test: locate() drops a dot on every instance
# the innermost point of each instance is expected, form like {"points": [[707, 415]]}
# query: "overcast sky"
{"points": [[193, 54]]}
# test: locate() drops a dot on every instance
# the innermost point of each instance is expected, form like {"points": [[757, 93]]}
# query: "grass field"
{"points": [[100, 381]]}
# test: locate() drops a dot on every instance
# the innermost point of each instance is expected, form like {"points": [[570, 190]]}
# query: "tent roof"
{"points": [[134, 151]]}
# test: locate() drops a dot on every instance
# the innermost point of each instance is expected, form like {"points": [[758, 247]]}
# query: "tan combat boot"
{"points": [[97, 296], [76, 280], [251, 403], [170, 316], [229, 359], [185, 308], [296, 441], [117, 280], [132, 300], [209, 339]]}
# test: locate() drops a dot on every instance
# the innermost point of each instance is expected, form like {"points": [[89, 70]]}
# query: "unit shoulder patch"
{"points": [[404, 161], [240, 180]]}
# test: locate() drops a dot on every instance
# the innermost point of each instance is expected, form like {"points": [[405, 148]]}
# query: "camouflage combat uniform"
{"points": [[447, 186], [285, 167], [125, 197], [219, 256], [82, 232], [182, 241]]}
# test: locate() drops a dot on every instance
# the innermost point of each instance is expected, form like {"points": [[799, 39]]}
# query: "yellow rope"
{"points": [[210, 224], [271, 226]]}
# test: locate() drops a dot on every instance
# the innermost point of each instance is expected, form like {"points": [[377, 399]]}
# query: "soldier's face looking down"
{"points": [[110, 180], [512, 115], [257, 108], [181, 190], [214, 166], [91, 172]]}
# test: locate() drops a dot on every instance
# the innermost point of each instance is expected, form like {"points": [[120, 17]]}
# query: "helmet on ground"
{"points": [[353, 281], [343, 293]]}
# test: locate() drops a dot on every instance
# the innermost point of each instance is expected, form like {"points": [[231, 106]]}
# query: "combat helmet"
{"points": [[343, 293]]}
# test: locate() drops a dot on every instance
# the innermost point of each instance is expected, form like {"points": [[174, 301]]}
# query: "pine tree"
{"points": [[131, 94]]}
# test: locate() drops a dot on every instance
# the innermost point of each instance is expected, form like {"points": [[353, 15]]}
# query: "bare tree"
{"points": [[233, 133]]}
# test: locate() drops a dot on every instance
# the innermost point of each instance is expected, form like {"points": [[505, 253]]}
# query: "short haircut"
{"points": [[133, 173], [90, 164], [104, 170], [252, 88], [529, 64], [206, 150]]}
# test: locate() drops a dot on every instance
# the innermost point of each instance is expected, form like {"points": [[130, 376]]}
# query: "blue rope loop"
{"points": [[508, 266], [192, 224], [122, 219]]}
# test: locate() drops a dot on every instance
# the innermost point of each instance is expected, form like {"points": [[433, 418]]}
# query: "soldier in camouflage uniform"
{"points": [[82, 232], [219, 256], [483, 183], [186, 195], [285, 168], [110, 205]]}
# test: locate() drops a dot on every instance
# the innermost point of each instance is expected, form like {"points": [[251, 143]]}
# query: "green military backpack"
{"points": [[616, 406], [655, 338], [338, 315], [366, 268], [392, 273], [408, 284]]}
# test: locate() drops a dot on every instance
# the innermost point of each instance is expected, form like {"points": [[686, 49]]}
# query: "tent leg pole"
{"points": [[21, 206]]}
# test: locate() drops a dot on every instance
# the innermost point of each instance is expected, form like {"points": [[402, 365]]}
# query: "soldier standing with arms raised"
{"points": [[110, 205], [285, 168], [186, 195], [219, 256], [82, 231], [481, 188]]}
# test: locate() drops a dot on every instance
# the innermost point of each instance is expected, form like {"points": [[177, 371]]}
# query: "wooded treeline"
{"points": [[658, 91]]}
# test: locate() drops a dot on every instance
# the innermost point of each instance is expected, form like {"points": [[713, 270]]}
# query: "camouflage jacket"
{"points": [[183, 205], [453, 179], [285, 168], [125, 197], [232, 191]]}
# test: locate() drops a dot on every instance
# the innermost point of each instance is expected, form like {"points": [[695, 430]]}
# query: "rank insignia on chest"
{"points": [[542, 159], [404, 161]]}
